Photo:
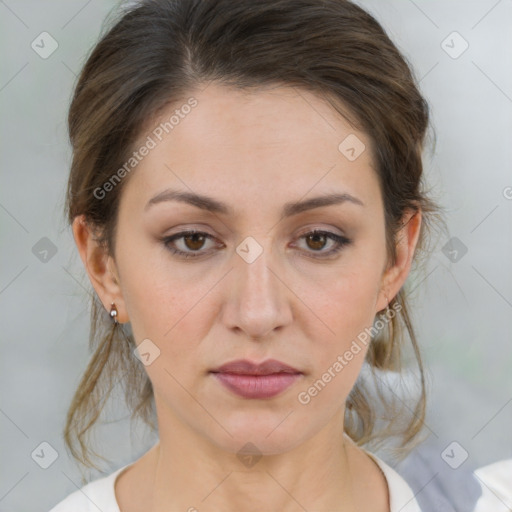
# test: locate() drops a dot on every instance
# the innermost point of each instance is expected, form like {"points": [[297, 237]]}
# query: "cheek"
{"points": [[153, 302], [175, 321], [346, 298], [165, 312], [339, 355], [352, 302], [346, 306], [174, 313]]}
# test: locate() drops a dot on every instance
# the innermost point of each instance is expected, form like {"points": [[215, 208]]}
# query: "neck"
{"points": [[193, 474]]}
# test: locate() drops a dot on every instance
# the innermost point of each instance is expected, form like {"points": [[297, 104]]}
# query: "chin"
{"points": [[269, 436]]}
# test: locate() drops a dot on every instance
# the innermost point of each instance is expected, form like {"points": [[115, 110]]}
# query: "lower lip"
{"points": [[257, 386]]}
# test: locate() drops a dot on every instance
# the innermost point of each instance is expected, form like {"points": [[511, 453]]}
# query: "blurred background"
{"points": [[460, 53]]}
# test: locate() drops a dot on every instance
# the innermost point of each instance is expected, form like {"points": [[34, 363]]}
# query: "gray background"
{"points": [[463, 308]]}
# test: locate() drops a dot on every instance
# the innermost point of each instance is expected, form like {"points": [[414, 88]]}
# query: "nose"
{"points": [[258, 300]]}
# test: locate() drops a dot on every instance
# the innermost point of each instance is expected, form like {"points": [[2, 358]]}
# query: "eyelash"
{"points": [[341, 242]]}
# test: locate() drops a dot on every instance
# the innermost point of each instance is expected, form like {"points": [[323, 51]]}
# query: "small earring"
{"points": [[113, 313]]}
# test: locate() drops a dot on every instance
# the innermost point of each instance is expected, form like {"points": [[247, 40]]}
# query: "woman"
{"points": [[246, 193]]}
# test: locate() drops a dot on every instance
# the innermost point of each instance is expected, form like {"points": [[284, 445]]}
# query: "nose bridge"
{"points": [[253, 269], [254, 278], [258, 299]]}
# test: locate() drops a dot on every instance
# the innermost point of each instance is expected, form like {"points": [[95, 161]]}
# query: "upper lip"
{"points": [[246, 367]]}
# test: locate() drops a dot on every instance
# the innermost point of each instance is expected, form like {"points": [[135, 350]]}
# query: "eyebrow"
{"points": [[213, 205]]}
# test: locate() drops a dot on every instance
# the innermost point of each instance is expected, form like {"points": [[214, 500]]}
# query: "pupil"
{"points": [[316, 237], [195, 235]]}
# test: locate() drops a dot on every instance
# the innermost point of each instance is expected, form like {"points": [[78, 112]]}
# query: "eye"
{"points": [[318, 239], [192, 240]]}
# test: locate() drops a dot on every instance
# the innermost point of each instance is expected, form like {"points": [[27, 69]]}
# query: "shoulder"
{"points": [[492, 485], [96, 495], [496, 482], [401, 496], [438, 485]]}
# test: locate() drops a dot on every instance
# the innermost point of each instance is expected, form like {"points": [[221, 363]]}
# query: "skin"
{"points": [[255, 151]]}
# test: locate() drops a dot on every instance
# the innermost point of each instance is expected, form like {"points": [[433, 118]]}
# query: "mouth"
{"points": [[246, 367], [258, 381]]}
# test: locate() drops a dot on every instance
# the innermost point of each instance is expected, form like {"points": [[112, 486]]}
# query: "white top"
{"points": [[496, 483]]}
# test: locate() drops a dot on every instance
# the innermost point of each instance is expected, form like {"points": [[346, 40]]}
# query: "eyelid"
{"points": [[314, 228]]}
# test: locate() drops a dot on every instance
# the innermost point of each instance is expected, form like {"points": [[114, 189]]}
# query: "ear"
{"points": [[395, 276], [100, 267]]}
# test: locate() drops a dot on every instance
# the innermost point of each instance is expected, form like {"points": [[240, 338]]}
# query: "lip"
{"points": [[246, 367], [253, 380]]}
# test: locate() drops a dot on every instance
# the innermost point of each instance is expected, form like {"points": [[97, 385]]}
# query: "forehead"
{"points": [[259, 145]]}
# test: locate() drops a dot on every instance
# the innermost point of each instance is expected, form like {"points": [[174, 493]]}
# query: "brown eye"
{"points": [[316, 241], [194, 242], [191, 243]]}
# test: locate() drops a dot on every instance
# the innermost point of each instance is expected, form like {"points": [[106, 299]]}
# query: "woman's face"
{"points": [[255, 286]]}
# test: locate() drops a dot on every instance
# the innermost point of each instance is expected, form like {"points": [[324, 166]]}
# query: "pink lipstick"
{"points": [[253, 380]]}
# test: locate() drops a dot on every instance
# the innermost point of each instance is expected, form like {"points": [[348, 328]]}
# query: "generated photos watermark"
{"points": [[151, 142], [362, 340]]}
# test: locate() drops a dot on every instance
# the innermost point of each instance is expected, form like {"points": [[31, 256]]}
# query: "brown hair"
{"points": [[158, 52]]}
